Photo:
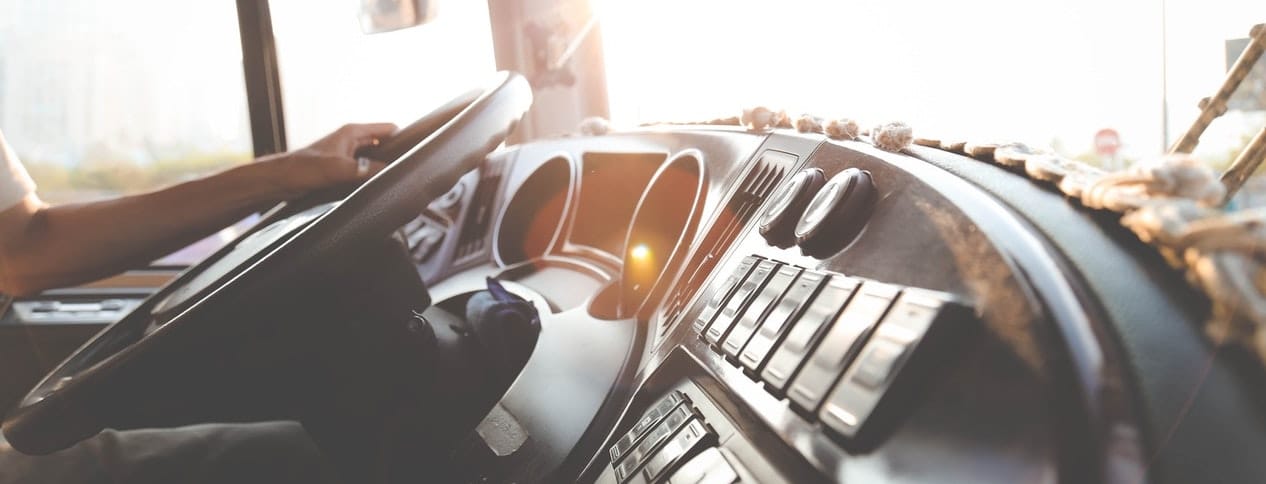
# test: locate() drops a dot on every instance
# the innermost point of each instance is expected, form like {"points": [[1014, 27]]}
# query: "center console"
{"points": [[856, 326], [780, 307]]}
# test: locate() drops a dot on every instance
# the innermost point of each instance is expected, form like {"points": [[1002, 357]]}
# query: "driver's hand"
{"points": [[329, 161]]}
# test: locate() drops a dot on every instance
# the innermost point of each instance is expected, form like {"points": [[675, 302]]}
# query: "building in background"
{"points": [[133, 83]]}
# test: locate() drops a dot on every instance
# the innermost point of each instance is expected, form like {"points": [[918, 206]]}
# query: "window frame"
{"points": [[263, 85]]}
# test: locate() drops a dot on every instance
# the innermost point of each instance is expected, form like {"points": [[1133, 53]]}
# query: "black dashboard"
{"points": [[723, 306]]}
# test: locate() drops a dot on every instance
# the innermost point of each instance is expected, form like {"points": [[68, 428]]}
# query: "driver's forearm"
{"points": [[70, 244]]}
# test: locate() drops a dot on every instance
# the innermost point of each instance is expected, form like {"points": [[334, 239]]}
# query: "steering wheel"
{"points": [[116, 369]]}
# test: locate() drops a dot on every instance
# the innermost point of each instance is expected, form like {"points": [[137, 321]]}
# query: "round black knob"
{"points": [[837, 213], [778, 223]]}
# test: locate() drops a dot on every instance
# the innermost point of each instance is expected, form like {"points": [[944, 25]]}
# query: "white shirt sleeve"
{"points": [[15, 183]]}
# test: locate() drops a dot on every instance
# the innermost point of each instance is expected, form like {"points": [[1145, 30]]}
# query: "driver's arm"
{"points": [[44, 246]]}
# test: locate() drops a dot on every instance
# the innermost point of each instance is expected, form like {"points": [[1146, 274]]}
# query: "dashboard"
{"points": [[724, 306], [720, 305], [814, 311]]}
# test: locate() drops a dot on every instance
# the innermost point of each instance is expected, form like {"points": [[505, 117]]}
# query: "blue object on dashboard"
{"points": [[506, 327]]}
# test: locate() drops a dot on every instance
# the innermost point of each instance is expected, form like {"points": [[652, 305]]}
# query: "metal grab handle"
{"points": [[1212, 108], [1244, 165]]}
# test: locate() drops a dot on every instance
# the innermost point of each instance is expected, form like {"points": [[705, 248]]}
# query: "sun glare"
{"points": [[640, 252]]}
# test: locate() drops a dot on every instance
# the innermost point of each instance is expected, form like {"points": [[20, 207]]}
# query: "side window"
{"points": [[101, 99], [109, 98]]}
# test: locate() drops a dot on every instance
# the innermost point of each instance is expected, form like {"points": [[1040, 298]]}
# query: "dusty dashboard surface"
{"points": [[724, 306]]}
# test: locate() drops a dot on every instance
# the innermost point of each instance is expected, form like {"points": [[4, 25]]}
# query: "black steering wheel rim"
{"points": [[60, 410]]}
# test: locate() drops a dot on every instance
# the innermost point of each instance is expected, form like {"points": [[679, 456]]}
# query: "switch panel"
{"points": [[903, 331], [649, 419], [737, 304], [709, 467], [650, 444], [841, 343], [756, 311], [688, 442], [832, 347], [806, 331], [724, 291], [771, 331], [83, 311]]}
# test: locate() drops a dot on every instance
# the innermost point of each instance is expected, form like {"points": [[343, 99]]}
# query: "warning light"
{"points": [[640, 252]]}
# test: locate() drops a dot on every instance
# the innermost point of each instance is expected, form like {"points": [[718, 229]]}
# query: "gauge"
{"points": [[531, 220], [663, 226]]}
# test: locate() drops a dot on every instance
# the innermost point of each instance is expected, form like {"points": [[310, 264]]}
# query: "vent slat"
{"points": [[759, 182]]}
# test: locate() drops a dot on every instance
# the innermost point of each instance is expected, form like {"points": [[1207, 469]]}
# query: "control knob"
{"points": [[778, 223], [836, 214]]}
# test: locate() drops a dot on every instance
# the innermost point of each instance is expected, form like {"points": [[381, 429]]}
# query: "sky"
{"points": [[1018, 70]]}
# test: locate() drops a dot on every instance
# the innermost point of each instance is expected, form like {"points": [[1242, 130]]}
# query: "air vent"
{"points": [[727, 225], [473, 239]]}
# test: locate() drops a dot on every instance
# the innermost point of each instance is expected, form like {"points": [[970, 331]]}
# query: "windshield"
{"points": [[1053, 74], [332, 73]]}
